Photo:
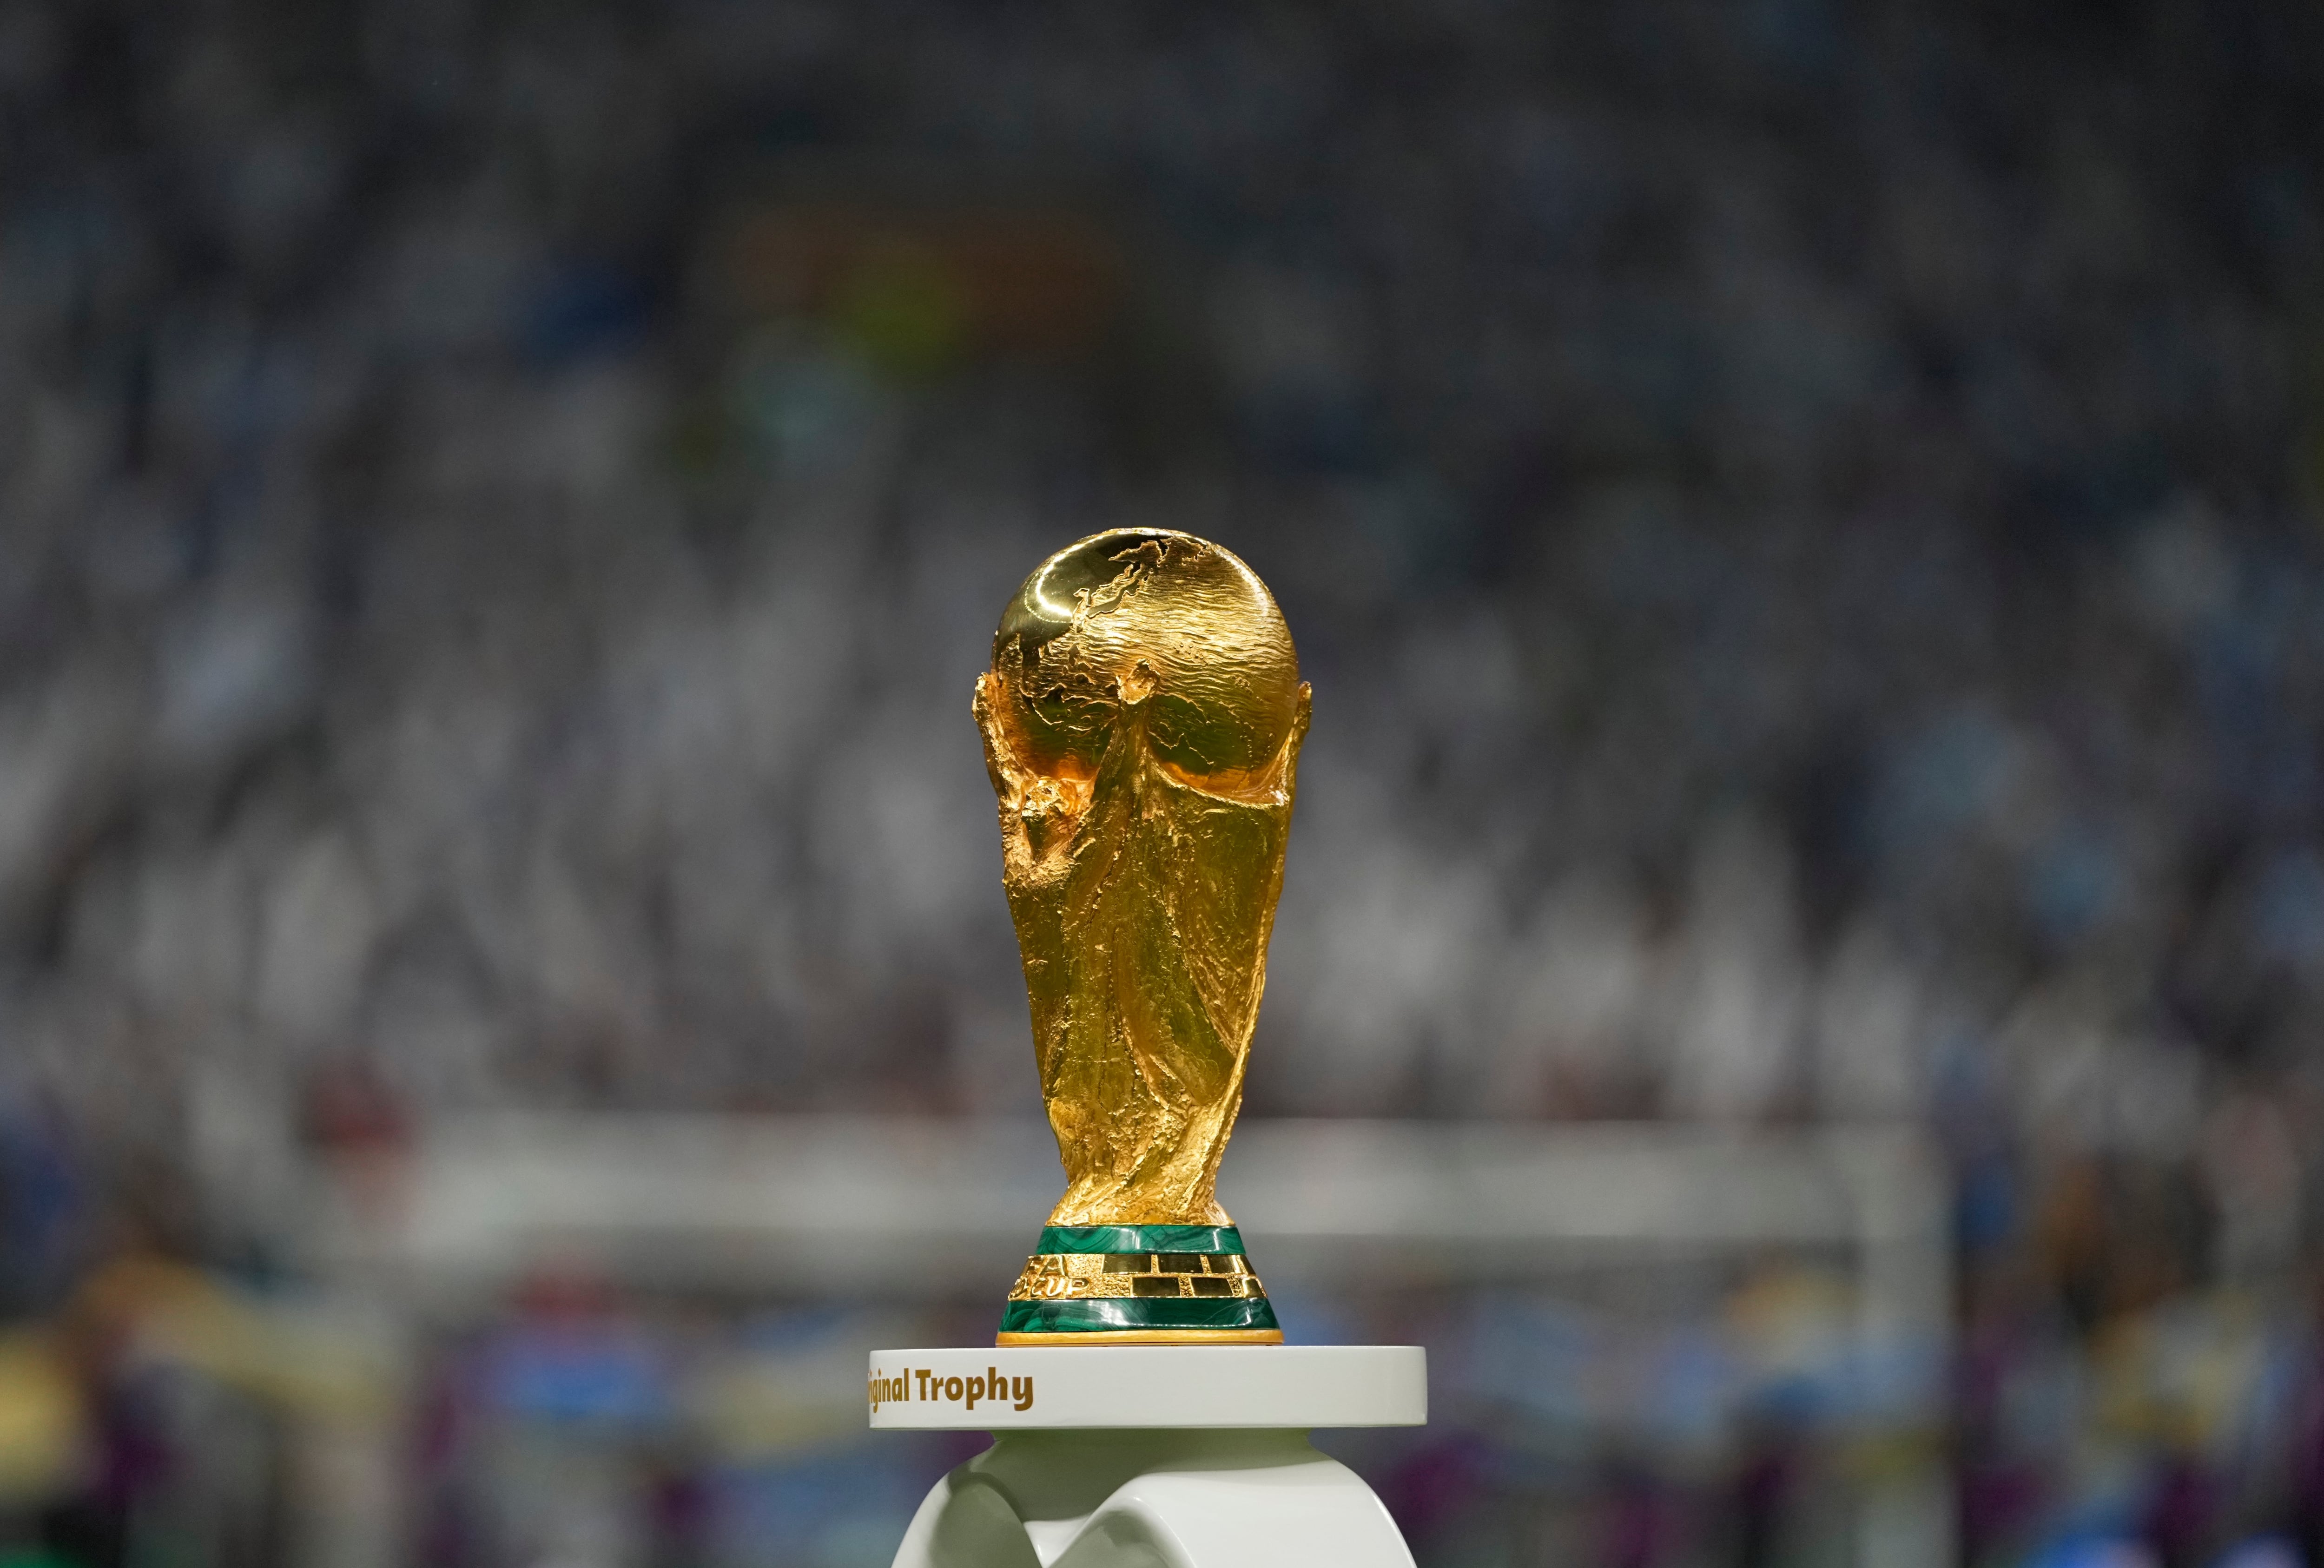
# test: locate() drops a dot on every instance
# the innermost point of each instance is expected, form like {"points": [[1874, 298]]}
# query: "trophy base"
{"points": [[1138, 1284]]}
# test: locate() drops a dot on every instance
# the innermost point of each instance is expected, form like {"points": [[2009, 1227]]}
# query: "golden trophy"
{"points": [[1143, 721]]}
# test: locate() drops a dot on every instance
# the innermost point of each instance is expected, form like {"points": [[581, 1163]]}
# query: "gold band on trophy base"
{"points": [[1134, 1277]]}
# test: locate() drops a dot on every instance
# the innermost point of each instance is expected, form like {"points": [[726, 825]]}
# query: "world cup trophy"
{"points": [[1143, 721]]}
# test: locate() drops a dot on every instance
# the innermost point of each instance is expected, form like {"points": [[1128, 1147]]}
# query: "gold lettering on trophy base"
{"points": [[992, 1386]]}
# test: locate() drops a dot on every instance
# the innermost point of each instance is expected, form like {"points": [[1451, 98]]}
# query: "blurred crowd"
{"points": [[1801, 520]]}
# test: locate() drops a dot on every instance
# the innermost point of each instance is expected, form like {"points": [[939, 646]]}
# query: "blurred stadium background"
{"points": [[1802, 966]]}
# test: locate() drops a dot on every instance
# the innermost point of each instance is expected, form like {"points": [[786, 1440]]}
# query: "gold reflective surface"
{"points": [[1142, 722], [1086, 1275]]}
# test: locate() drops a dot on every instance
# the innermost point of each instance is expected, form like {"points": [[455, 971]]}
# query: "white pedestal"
{"points": [[1162, 1456]]}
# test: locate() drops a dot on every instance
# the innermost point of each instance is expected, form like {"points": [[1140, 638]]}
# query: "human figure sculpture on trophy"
{"points": [[1143, 721]]}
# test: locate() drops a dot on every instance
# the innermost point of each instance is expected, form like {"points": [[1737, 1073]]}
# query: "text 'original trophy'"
{"points": [[1142, 722]]}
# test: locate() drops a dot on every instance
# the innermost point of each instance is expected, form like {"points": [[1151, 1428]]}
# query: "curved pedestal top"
{"points": [[1151, 1500], [1148, 1387]]}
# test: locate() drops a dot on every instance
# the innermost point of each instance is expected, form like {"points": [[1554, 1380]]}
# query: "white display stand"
{"points": [[1150, 1456]]}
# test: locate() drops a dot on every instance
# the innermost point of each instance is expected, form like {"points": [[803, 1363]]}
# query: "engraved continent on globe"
{"points": [[1162, 621]]}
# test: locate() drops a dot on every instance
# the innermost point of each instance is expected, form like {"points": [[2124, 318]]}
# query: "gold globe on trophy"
{"points": [[1142, 722]]}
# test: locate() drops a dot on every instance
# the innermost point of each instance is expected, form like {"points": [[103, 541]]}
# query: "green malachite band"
{"points": [[1118, 1313], [1140, 1239]]}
